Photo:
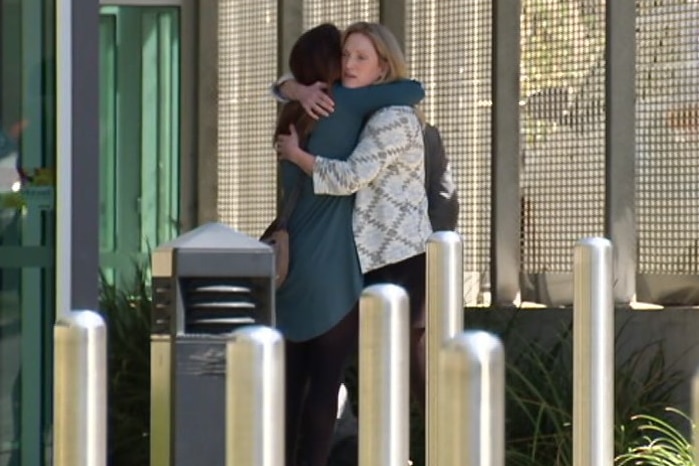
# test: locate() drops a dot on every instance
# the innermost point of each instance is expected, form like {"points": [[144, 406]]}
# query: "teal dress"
{"points": [[324, 280]]}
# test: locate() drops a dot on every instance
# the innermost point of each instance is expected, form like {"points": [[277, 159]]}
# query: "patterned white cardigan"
{"points": [[387, 171]]}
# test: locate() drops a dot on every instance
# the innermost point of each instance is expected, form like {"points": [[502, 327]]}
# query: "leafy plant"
{"points": [[539, 404], [539, 395], [539, 391], [662, 444], [127, 312]]}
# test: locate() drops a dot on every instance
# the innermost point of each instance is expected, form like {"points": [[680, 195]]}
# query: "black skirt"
{"points": [[409, 274]]}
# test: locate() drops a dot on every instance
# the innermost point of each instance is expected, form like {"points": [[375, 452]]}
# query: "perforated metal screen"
{"points": [[247, 65], [448, 47], [667, 136], [339, 12], [562, 128]]}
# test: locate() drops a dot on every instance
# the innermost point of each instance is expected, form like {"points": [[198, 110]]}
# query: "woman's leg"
{"points": [[327, 357], [413, 278], [417, 367], [296, 388], [410, 274]]}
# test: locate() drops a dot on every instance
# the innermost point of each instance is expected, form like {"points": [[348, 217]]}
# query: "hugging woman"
{"points": [[316, 304]]}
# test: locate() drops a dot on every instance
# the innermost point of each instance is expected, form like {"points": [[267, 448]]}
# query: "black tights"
{"points": [[314, 373], [417, 367], [315, 368], [410, 274]]}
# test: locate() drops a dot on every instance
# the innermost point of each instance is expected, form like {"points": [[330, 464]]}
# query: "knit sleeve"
{"points": [[387, 135]]}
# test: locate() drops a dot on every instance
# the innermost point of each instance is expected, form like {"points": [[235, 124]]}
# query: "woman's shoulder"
{"points": [[394, 124], [395, 115]]}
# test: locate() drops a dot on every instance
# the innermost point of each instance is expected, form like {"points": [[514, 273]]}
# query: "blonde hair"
{"points": [[386, 46]]}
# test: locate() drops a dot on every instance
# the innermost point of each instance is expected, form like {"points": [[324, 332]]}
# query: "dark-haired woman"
{"points": [[316, 303]]}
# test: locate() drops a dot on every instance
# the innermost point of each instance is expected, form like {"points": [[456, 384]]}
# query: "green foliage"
{"points": [[539, 395], [539, 391], [539, 404], [662, 444], [127, 312], [11, 200]]}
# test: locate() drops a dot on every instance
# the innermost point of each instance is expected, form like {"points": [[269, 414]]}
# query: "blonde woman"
{"points": [[386, 172], [315, 305]]}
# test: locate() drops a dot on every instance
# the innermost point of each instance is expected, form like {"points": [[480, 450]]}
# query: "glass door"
{"points": [[27, 224], [139, 133]]}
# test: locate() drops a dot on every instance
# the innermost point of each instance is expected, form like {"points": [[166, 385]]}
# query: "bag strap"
{"points": [[290, 203]]}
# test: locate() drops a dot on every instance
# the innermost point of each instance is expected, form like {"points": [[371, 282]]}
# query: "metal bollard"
{"points": [[80, 390], [445, 318], [383, 376], [472, 401], [593, 353], [695, 414], [255, 384]]}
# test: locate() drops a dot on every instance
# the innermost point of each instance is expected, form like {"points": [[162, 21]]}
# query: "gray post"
{"points": [[505, 160], [593, 354], [383, 376], [255, 397], [620, 218], [445, 318], [472, 401], [80, 390]]}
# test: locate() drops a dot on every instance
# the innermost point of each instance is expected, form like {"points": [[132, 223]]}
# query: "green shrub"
{"points": [[127, 312], [539, 391], [539, 396], [661, 443]]}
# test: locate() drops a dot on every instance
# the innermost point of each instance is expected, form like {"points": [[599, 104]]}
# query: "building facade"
{"points": [[126, 122]]}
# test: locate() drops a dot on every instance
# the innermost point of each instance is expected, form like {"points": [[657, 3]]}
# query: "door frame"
{"points": [[188, 102]]}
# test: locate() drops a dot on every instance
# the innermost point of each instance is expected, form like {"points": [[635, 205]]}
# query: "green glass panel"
{"points": [[140, 98], [27, 233], [108, 128]]}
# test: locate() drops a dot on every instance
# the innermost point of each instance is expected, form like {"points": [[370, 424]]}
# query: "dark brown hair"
{"points": [[316, 56]]}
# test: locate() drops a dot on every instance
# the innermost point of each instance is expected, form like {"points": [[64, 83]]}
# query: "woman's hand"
{"points": [[312, 98], [287, 146]]}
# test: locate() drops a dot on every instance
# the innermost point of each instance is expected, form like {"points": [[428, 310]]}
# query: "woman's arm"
{"points": [[314, 99], [387, 135], [368, 99], [294, 154], [361, 100]]}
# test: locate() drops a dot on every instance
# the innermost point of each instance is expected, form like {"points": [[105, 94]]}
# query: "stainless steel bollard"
{"points": [[593, 353], [80, 390], [695, 414], [445, 318], [255, 383], [471, 401], [383, 376]]}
